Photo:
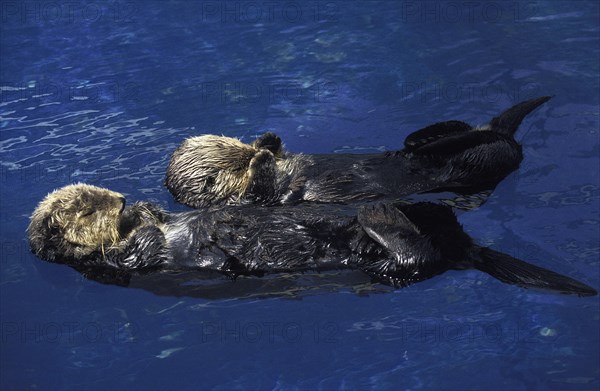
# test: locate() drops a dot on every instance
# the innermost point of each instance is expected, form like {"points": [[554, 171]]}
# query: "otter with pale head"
{"points": [[88, 227], [452, 155]]}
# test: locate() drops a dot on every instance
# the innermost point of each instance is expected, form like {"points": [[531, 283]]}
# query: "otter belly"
{"points": [[189, 247], [351, 178]]}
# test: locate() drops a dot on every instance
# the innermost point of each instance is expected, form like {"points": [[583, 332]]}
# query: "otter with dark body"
{"points": [[452, 155], [397, 245]]}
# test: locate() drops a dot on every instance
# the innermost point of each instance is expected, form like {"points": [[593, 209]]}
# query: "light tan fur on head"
{"points": [[77, 220], [213, 168]]}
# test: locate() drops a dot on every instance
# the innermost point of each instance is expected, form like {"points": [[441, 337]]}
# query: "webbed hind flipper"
{"points": [[386, 224], [517, 272], [470, 162], [508, 122], [458, 143], [411, 255], [434, 132]]}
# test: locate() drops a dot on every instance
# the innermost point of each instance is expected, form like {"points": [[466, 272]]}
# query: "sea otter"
{"points": [[452, 155], [88, 227]]}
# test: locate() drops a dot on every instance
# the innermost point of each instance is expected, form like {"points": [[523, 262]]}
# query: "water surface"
{"points": [[103, 93]]}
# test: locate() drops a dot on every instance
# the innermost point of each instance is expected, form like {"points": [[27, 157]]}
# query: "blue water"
{"points": [[103, 92]]}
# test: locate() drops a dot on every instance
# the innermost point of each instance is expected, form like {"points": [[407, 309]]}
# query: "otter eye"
{"points": [[88, 212]]}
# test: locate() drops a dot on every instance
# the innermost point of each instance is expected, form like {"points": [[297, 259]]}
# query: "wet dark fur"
{"points": [[448, 155], [396, 245]]}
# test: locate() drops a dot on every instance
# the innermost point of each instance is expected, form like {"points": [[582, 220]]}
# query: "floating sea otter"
{"points": [[451, 155], [88, 227]]}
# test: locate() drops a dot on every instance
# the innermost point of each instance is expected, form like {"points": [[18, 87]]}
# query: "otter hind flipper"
{"points": [[470, 162], [434, 132], [516, 272], [456, 144], [411, 255], [382, 222], [508, 122]]}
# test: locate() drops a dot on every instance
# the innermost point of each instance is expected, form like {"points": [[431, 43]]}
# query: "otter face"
{"points": [[75, 220], [208, 169]]}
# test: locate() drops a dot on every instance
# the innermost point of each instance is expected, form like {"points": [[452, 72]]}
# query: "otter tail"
{"points": [[508, 122], [516, 272]]}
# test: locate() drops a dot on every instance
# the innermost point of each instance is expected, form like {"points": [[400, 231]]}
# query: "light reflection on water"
{"points": [[107, 101]]}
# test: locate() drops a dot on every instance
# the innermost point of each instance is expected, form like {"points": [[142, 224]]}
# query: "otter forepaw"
{"points": [[262, 180], [271, 142], [261, 159]]}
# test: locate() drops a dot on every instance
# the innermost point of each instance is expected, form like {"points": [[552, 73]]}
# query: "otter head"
{"points": [[211, 169], [74, 221]]}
